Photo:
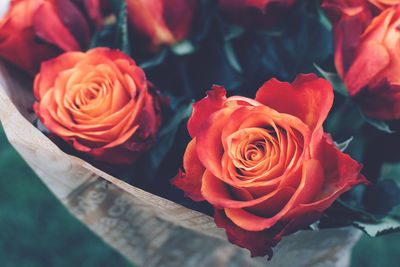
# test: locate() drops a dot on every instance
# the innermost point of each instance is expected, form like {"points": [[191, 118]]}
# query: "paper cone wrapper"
{"points": [[147, 229]]}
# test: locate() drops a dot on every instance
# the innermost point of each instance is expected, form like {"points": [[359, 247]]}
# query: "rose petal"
{"points": [[259, 243], [205, 107], [146, 16], [346, 37], [274, 204], [219, 194], [49, 27], [209, 147], [93, 8], [178, 19], [73, 19], [191, 181], [381, 102], [298, 222], [308, 98], [22, 49], [50, 70], [312, 179], [341, 173], [372, 57]]}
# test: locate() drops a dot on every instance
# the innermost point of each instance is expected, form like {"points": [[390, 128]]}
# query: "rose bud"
{"points": [[265, 164], [100, 103], [36, 30], [256, 14], [161, 22], [367, 62], [349, 19]]}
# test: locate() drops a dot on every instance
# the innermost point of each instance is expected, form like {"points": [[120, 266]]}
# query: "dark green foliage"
{"points": [[287, 51], [114, 35], [381, 197]]}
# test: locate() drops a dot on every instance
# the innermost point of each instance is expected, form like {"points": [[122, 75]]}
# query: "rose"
{"points": [[265, 165], [367, 60], [161, 22], [364, 43], [260, 14], [36, 30], [99, 102]]}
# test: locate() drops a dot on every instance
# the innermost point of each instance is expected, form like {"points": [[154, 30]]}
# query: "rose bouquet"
{"points": [[144, 116]]}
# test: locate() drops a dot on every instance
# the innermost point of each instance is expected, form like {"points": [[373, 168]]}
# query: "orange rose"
{"points": [[36, 30], [99, 102], [162, 22], [265, 165], [370, 71], [260, 14]]}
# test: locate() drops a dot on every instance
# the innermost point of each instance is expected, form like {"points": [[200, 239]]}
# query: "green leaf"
{"points": [[358, 211], [121, 39], [231, 56], [229, 31], [395, 213], [385, 226], [379, 124], [381, 197], [233, 32], [391, 171], [183, 48], [183, 112], [334, 79], [344, 120], [342, 146], [322, 18], [155, 60]]}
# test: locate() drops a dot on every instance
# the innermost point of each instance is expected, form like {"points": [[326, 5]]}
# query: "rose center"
{"points": [[255, 152], [87, 95], [253, 148]]}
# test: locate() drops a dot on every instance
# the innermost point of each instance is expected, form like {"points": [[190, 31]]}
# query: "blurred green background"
{"points": [[36, 230]]}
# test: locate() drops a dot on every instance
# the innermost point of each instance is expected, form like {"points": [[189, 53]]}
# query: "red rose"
{"points": [[366, 58], [259, 14], [36, 30], [99, 102], [266, 165], [161, 22]]}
